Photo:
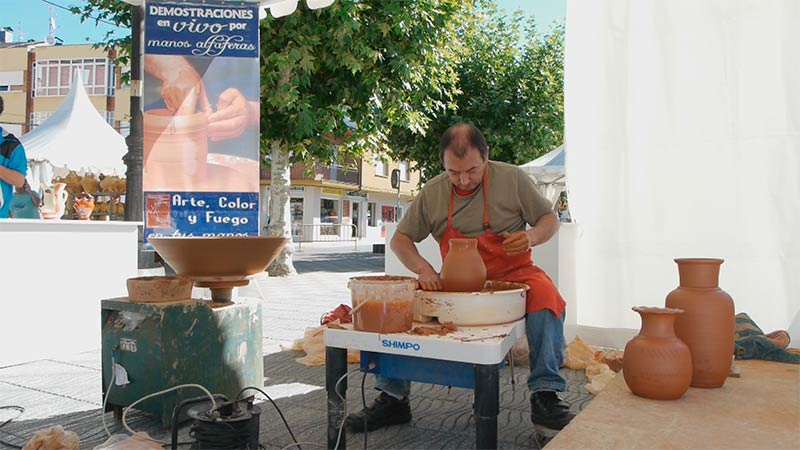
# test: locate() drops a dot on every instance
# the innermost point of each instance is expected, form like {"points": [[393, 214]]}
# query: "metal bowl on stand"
{"points": [[219, 263]]}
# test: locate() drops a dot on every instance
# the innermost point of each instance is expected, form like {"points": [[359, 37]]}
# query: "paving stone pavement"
{"points": [[67, 391]]}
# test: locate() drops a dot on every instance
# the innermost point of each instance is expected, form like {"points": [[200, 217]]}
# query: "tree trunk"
{"points": [[279, 208]]}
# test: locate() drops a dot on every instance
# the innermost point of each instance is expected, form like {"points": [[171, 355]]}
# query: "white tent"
{"points": [[75, 137], [548, 173]]}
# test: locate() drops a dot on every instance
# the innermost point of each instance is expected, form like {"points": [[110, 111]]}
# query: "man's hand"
{"points": [[516, 243], [429, 280], [182, 90], [232, 117]]}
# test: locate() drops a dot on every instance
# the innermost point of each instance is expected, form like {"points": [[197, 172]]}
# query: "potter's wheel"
{"points": [[499, 302]]}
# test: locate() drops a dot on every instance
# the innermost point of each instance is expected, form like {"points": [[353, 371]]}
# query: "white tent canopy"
{"points": [[548, 173], [75, 137]]}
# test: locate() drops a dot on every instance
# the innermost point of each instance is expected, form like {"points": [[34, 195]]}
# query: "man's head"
{"points": [[464, 155]]}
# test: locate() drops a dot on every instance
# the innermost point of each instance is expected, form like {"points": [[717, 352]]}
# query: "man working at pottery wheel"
{"points": [[493, 202]]}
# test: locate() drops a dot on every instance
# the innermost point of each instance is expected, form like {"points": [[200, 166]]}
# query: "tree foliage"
{"points": [[510, 82]]}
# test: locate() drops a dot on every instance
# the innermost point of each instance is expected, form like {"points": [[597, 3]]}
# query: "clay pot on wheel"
{"points": [[657, 365], [708, 322], [463, 269]]}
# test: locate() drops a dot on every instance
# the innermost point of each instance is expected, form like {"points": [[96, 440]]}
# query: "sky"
{"points": [[32, 18]]}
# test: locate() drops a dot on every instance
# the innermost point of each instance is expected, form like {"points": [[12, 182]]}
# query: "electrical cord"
{"points": [[364, 404], [20, 410], [155, 394], [344, 402], [294, 440]]}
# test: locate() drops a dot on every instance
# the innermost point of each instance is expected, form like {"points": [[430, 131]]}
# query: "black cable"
{"points": [[276, 408], [20, 410], [364, 404], [220, 435]]}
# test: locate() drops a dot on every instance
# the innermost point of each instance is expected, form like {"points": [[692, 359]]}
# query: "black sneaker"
{"points": [[549, 411], [384, 411]]}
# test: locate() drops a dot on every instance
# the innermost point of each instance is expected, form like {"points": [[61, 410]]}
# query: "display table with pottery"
{"points": [[469, 357], [760, 409]]}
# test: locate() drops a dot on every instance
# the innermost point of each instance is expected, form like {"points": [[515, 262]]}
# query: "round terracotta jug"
{"points": [[463, 269], [708, 322], [656, 364]]}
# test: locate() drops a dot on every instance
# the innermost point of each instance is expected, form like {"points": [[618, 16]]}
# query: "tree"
{"points": [[380, 64], [510, 86]]}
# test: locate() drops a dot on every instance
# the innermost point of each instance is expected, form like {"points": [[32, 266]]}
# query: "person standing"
{"points": [[13, 167], [494, 202]]}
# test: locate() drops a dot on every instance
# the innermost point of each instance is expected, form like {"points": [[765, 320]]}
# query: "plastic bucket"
{"points": [[388, 303]]}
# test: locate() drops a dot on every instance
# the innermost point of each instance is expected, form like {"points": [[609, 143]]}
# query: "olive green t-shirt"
{"points": [[514, 202]]}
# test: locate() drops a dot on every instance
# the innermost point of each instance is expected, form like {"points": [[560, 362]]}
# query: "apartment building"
{"points": [[35, 76], [355, 199]]}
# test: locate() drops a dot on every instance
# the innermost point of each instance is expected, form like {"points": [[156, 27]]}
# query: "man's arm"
{"points": [[403, 246], [11, 176]]}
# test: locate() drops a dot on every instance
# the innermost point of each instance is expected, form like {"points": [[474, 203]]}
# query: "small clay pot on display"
{"points": [[656, 364], [83, 204]]}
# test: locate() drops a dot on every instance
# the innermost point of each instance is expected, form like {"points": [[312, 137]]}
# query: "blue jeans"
{"points": [[545, 334]]}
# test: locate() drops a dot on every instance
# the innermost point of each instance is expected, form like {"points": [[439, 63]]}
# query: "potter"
{"points": [[498, 206]]}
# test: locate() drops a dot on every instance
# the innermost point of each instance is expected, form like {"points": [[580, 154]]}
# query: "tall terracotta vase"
{"points": [[463, 269], [708, 322], [656, 363]]}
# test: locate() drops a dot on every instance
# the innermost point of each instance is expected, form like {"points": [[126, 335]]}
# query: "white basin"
{"points": [[499, 302]]}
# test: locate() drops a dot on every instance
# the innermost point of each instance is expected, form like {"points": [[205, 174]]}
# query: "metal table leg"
{"points": [[487, 405], [335, 368]]}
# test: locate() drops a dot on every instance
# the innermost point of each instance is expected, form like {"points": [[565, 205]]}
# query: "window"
{"points": [[372, 219], [53, 77], [5, 88], [380, 168], [37, 117], [403, 171]]}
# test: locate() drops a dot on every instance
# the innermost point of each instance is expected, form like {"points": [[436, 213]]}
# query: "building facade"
{"points": [[353, 200], [35, 77]]}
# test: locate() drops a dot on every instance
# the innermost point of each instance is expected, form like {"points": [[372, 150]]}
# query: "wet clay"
{"points": [[441, 330], [384, 316], [463, 269]]}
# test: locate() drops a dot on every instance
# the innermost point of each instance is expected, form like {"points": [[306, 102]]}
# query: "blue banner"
{"points": [[208, 29], [201, 110], [201, 214]]}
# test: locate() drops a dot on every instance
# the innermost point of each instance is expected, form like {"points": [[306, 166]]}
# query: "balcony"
{"points": [[342, 174]]}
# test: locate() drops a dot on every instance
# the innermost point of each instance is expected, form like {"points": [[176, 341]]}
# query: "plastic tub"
{"points": [[389, 306]]}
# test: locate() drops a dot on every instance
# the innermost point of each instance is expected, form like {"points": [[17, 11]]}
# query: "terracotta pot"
{"points": [[463, 269], [656, 364], [708, 322], [83, 204]]}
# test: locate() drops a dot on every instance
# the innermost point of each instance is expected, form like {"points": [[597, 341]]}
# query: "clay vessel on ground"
{"points": [[463, 269], [656, 364], [708, 321]]}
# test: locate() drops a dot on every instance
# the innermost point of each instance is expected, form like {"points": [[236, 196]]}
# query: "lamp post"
{"points": [[135, 156]]}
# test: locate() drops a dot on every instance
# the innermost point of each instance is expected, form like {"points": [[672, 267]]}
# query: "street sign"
{"points": [[396, 179]]}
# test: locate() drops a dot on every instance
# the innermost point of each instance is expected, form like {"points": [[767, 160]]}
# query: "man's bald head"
{"points": [[459, 138]]}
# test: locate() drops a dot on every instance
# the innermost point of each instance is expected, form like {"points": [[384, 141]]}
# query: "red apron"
{"points": [[499, 266]]}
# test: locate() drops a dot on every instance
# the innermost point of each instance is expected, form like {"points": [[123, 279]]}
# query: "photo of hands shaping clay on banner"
{"points": [[201, 124]]}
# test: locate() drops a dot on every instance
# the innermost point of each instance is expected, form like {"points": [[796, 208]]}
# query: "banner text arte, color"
{"points": [[201, 30], [201, 214]]}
